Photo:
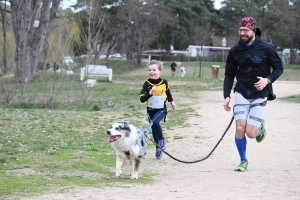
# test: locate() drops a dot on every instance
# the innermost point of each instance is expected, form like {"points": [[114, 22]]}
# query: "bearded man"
{"points": [[250, 61]]}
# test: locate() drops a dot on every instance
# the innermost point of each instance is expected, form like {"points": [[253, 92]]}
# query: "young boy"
{"points": [[154, 94]]}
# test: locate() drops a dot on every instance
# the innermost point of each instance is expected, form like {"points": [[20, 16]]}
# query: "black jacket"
{"points": [[246, 64]]}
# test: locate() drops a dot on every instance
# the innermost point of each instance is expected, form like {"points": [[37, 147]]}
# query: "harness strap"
{"points": [[151, 122], [264, 103]]}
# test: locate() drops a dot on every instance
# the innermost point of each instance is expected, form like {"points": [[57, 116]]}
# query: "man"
{"points": [[249, 62], [173, 68]]}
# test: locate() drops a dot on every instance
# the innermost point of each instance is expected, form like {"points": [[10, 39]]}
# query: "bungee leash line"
{"points": [[210, 153], [189, 162]]}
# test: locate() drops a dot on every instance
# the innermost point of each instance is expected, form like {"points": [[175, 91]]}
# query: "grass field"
{"points": [[52, 130]]}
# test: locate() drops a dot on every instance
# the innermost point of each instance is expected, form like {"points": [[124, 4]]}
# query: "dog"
{"points": [[182, 71], [129, 142]]}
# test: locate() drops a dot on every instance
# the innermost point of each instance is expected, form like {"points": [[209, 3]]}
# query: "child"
{"points": [[173, 67], [154, 94], [182, 71]]}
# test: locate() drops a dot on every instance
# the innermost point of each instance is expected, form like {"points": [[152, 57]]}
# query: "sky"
{"points": [[66, 3], [218, 4]]}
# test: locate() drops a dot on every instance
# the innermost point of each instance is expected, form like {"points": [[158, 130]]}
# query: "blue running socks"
{"points": [[241, 146]]}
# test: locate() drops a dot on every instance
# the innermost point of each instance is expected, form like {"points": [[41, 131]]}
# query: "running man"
{"points": [[250, 62]]}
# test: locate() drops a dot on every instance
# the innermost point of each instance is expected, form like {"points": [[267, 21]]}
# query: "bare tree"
{"points": [[287, 17], [94, 36], [201, 35], [64, 34], [32, 21], [142, 21], [3, 65]]}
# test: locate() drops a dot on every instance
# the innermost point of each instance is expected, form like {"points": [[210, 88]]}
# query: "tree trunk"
{"points": [[32, 21], [4, 58], [139, 53]]}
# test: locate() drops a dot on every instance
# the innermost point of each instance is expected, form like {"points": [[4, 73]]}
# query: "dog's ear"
{"points": [[125, 127]]}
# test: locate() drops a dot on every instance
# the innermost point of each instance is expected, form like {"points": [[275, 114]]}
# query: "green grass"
{"points": [[56, 148], [58, 91], [51, 137], [290, 73], [293, 98]]}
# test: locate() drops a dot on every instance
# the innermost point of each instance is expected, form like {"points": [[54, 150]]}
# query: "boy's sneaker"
{"points": [[158, 154], [263, 133], [162, 144], [242, 166]]}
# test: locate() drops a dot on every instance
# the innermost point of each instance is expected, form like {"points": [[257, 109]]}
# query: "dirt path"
{"points": [[273, 170]]}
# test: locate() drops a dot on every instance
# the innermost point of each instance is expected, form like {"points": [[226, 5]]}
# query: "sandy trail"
{"points": [[273, 170]]}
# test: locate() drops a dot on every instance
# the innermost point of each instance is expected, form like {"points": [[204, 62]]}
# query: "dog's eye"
{"points": [[117, 128]]}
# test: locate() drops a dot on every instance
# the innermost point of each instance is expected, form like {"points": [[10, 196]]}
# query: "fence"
{"points": [[219, 56], [213, 56]]}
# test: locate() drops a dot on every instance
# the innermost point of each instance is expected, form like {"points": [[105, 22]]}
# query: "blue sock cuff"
{"points": [[241, 146], [240, 140]]}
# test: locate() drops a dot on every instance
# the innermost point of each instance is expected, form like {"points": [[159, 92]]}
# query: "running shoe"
{"points": [[162, 144], [158, 154], [242, 166], [263, 133]]}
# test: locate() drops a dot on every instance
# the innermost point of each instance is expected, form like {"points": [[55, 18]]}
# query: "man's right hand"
{"points": [[226, 104]]}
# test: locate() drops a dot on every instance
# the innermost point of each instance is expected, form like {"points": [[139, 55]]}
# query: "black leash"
{"points": [[202, 158], [210, 153]]}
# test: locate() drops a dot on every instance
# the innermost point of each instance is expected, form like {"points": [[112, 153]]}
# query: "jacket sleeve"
{"points": [[168, 93], [231, 68], [276, 64], [144, 93]]}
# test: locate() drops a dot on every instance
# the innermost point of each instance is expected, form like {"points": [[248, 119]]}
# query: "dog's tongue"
{"points": [[112, 138]]}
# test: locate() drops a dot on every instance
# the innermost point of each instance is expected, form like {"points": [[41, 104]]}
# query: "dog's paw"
{"points": [[118, 174], [134, 177]]}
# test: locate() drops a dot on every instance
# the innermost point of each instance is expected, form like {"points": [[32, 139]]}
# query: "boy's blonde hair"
{"points": [[156, 62]]}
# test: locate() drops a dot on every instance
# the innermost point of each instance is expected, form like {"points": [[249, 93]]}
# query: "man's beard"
{"points": [[246, 41]]}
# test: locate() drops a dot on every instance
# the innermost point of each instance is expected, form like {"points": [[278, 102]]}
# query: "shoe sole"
{"points": [[260, 140], [264, 133], [159, 156], [164, 147], [241, 168]]}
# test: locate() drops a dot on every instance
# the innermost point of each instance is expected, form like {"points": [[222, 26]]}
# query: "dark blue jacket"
{"points": [[245, 64]]}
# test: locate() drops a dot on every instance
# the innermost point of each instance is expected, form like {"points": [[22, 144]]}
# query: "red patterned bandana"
{"points": [[248, 22]]}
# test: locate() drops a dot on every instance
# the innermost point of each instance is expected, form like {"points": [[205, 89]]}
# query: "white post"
{"points": [[224, 44]]}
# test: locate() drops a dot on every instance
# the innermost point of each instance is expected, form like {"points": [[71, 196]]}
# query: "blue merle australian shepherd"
{"points": [[129, 142]]}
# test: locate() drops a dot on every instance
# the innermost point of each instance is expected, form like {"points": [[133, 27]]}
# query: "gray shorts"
{"points": [[254, 115]]}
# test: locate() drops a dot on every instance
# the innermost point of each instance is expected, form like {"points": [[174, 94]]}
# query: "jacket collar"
{"points": [[154, 82]]}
